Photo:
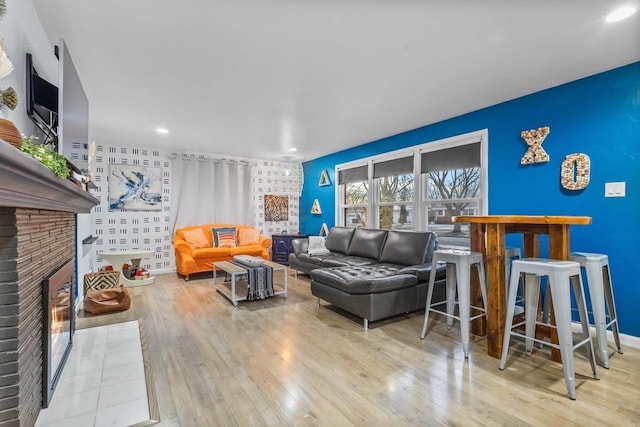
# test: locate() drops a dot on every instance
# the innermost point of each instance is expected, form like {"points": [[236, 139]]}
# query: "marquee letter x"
{"points": [[535, 153]]}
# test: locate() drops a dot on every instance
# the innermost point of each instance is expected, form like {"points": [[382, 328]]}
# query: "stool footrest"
{"points": [[547, 343], [434, 310]]}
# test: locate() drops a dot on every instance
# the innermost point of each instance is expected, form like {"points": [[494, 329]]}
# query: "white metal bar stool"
{"points": [[511, 254], [600, 289], [561, 275], [458, 277]]}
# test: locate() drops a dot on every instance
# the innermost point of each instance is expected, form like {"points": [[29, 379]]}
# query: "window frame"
{"points": [[420, 202]]}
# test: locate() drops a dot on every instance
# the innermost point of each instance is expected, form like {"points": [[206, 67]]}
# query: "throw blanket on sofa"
{"points": [[260, 281]]}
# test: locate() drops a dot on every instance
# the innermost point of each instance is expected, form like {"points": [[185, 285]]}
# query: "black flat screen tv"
{"points": [[42, 103]]}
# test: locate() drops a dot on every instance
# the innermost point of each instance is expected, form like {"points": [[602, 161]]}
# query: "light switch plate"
{"points": [[614, 189]]}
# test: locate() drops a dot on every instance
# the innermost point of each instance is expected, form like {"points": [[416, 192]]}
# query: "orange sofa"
{"points": [[195, 251]]}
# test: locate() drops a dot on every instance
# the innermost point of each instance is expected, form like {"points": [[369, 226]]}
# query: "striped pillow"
{"points": [[224, 237]]}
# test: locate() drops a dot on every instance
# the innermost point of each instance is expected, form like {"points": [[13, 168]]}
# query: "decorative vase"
{"points": [[9, 133]]}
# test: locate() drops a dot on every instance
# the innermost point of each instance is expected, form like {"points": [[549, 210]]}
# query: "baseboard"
{"points": [[625, 340], [161, 271]]}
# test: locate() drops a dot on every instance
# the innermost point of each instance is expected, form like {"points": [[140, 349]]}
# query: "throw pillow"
{"points": [[248, 236], [316, 246], [224, 237], [196, 238]]}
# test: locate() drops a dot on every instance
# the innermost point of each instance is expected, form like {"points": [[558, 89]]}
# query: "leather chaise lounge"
{"points": [[373, 274]]}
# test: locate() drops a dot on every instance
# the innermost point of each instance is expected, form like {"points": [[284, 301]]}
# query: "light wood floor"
{"points": [[287, 362]]}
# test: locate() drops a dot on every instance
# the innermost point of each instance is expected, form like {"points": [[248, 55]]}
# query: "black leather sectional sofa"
{"points": [[373, 274]]}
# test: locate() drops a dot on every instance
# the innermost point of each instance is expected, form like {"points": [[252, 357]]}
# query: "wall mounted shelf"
{"points": [[324, 179], [89, 240], [315, 208]]}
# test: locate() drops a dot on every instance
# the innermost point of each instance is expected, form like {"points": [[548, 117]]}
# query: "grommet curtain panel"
{"points": [[208, 190]]}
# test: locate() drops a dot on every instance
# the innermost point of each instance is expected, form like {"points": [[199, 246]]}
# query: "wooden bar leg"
{"points": [[496, 298], [479, 325], [531, 245]]}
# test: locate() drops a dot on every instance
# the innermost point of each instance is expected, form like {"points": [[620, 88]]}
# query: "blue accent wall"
{"points": [[598, 115]]}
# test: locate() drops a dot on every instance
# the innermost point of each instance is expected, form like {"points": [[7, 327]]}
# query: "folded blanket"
{"points": [[260, 280]]}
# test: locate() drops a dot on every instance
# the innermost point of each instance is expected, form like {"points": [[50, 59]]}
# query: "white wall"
{"points": [[145, 230], [22, 32], [279, 179], [132, 230]]}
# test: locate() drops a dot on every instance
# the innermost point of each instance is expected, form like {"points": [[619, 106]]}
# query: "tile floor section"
{"points": [[103, 382]]}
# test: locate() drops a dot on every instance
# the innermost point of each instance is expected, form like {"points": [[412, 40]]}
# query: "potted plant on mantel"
{"points": [[54, 161]]}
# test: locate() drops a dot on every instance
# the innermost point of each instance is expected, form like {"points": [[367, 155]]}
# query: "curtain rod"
{"points": [[203, 158]]}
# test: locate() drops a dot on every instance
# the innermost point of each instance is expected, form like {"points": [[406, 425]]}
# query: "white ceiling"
{"points": [[252, 78]]}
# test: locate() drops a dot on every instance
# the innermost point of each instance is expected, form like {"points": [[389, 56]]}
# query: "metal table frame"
{"points": [[235, 270]]}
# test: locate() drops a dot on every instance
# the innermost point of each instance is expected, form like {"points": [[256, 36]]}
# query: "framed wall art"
{"points": [[276, 208], [135, 188]]}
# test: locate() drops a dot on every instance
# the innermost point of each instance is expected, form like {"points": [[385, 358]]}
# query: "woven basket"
{"points": [[9, 133]]}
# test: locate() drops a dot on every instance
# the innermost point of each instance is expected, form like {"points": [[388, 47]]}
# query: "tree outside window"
{"points": [[396, 195]]}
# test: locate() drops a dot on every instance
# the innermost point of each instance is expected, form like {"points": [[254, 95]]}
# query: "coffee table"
{"points": [[235, 270]]}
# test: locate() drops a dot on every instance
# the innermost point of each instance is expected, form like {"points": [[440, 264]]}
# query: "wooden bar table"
{"points": [[488, 237]]}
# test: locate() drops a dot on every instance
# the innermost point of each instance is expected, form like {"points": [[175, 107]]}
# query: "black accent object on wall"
{"points": [[42, 103]]}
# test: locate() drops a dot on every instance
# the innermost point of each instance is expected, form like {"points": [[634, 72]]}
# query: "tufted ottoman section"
{"points": [[366, 279]]}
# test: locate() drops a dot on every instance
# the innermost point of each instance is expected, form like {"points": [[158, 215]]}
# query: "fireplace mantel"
{"points": [[26, 183]]}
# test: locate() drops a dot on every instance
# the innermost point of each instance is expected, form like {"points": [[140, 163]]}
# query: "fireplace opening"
{"points": [[58, 316]]}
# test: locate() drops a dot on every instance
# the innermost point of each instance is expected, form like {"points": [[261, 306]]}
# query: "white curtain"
{"points": [[208, 190]]}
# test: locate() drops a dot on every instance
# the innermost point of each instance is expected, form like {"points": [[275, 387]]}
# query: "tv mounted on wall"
{"points": [[42, 103], [60, 112], [73, 127]]}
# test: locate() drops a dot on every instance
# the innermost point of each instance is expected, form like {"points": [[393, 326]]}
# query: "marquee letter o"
{"points": [[575, 171]]}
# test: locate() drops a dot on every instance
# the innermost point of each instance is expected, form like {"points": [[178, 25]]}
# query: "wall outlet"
{"points": [[614, 189]]}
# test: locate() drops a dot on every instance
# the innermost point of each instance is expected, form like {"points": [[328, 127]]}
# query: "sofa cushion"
{"points": [[253, 250], [196, 238], [338, 239], [210, 253], [423, 271], [248, 236], [224, 237], [334, 259], [363, 279], [311, 259], [406, 247], [367, 243]]}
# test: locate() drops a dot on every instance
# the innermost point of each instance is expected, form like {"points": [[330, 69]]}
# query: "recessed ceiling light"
{"points": [[162, 131], [293, 149], [621, 13]]}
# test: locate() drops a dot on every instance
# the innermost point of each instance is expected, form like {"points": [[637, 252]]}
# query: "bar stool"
{"points": [[458, 277], [511, 254], [561, 274], [600, 289]]}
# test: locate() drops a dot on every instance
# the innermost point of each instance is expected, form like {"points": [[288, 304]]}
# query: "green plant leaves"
{"points": [[54, 161]]}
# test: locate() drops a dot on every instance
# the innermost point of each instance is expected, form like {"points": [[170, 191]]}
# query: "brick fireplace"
{"points": [[37, 237]]}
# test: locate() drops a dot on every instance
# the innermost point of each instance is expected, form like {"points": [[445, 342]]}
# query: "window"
{"points": [[354, 184], [420, 188], [395, 193], [452, 183]]}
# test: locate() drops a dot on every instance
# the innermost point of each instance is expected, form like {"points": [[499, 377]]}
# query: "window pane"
{"points": [[450, 234], [355, 217], [356, 193], [396, 217], [454, 184], [396, 188]]}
